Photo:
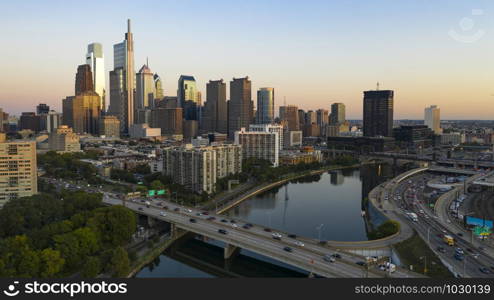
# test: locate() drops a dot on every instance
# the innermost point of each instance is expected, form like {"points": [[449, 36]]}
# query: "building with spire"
{"points": [[122, 81], [145, 88]]}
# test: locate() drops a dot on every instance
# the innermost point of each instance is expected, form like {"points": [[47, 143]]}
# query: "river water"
{"points": [[326, 206]]}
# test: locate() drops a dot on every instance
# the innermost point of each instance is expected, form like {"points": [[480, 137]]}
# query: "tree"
{"points": [[157, 185], [115, 225], [92, 267], [51, 263], [76, 246], [120, 264]]}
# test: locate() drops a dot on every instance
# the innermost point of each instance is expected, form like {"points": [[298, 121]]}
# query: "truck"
{"points": [[147, 204], [449, 240]]}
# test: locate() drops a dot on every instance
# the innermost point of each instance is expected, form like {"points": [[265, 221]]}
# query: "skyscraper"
{"points": [[378, 113], [82, 112], [122, 81], [42, 109], [215, 115], [96, 61], [240, 106], [187, 90], [290, 114], [322, 117], [432, 118], [158, 87], [337, 113], [145, 88], [310, 117], [83, 80], [265, 106]]}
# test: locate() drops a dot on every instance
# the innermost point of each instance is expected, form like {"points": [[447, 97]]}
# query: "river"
{"points": [[326, 206]]}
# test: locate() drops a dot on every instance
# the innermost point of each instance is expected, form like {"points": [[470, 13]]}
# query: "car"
{"points": [[140, 208], [336, 255], [288, 249], [198, 214], [234, 225], [361, 263], [329, 258], [188, 210], [205, 213], [485, 270], [299, 243], [322, 243], [176, 209], [276, 237], [441, 249], [293, 236], [460, 234], [267, 229], [459, 257], [459, 251], [469, 250], [249, 224], [211, 218], [162, 214], [233, 221], [192, 220], [276, 234], [165, 207], [224, 221], [222, 231], [246, 226]]}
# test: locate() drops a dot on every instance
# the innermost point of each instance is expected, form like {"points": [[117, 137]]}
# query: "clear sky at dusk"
{"points": [[313, 52]]}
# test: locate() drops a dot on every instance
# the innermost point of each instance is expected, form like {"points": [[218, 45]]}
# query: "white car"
{"points": [[299, 243], [234, 225], [162, 214], [188, 210], [276, 235]]}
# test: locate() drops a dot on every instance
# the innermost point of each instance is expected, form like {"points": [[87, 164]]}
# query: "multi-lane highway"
{"points": [[304, 254]]}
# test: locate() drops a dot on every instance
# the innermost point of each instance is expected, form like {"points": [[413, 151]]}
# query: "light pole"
{"points": [[319, 229], [425, 263], [428, 235]]}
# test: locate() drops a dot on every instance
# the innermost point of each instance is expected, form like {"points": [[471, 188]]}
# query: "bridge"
{"points": [[304, 253]]}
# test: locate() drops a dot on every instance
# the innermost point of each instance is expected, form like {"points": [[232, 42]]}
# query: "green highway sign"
{"points": [[161, 192], [479, 230], [151, 192]]}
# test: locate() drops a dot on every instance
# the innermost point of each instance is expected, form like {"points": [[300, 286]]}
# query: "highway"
{"points": [[256, 239], [409, 196]]}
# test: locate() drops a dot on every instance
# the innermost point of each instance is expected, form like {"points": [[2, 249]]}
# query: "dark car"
{"points": [[222, 231], [205, 213], [177, 209], [441, 249], [223, 220], [293, 236], [267, 229], [211, 218], [288, 249], [140, 208], [193, 220], [249, 224], [485, 270], [336, 255], [361, 263], [322, 243], [165, 207], [246, 226], [460, 234], [233, 221], [469, 250]]}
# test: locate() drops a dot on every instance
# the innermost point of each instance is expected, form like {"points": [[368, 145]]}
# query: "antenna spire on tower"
{"points": [[377, 88], [128, 25], [147, 61]]}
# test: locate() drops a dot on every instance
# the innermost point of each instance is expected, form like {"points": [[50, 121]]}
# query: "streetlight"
{"points": [[425, 263], [319, 229]]}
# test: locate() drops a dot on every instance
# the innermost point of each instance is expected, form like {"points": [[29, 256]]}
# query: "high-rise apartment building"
{"points": [[109, 126], [95, 59], [50, 121], [322, 117], [240, 105], [122, 81], [337, 113], [215, 113], [83, 80], [18, 169], [310, 117], [265, 106], [29, 121], [145, 88], [168, 119], [261, 145], [432, 118], [269, 128], [378, 113], [290, 114], [64, 140]]}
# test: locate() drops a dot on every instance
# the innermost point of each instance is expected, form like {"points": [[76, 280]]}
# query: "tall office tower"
{"points": [[187, 90], [261, 145], [310, 117], [29, 121], [265, 106], [301, 118], [168, 119], [50, 121], [240, 106], [82, 112], [83, 80], [337, 113], [290, 114], [158, 87], [322, 117], [2, 121], [432, 118], [215, 116], [18, 169], [122, 82], [378, 113], [96, 60], [42, 109], [145, 88]]}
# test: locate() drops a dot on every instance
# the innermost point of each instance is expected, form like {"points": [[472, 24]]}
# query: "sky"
{"points": [[313, 53]]}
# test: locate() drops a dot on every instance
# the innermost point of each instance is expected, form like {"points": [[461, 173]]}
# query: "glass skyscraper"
{"points": [[265, 106], [95, 59]]}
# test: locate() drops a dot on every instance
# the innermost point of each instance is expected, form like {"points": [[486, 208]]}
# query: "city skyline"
{"points": [[312, 71]]}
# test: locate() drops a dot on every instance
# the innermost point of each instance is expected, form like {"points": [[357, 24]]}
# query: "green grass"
{"points": [[411, 251]]}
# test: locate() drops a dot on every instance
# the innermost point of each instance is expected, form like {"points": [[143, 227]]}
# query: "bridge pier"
{"points": [[230, 251], [151, 221]]}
